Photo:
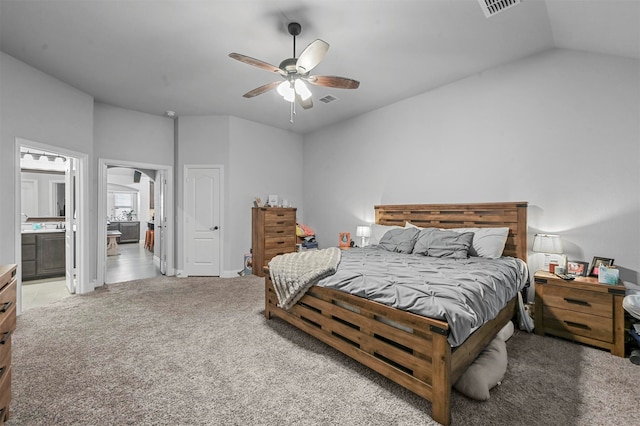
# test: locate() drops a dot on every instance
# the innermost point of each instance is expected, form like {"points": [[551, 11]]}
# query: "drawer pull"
{"points": [[577, 302], [577, 325], [280, 242], [6, 306], [279, 223], [5, 337], [279, 232]]}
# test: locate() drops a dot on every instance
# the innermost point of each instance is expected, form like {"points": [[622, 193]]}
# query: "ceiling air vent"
{"points": [[328, 99], [491, 7]]}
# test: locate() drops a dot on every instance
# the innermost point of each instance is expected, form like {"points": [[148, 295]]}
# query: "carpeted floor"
{"points": [[198, 351]]}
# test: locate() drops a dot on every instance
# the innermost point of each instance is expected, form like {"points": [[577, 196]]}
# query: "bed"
{"points": [[409, 349]]}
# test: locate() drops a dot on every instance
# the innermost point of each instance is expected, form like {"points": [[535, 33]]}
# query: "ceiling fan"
{"points": [[295, 72]]}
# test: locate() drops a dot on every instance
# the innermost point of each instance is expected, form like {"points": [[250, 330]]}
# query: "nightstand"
{"points": [[582, 310]]}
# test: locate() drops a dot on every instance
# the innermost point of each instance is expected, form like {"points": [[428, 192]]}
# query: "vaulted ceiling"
{"points": [[153, 56]]}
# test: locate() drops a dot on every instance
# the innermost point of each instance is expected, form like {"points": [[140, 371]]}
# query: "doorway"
{"points": [[51, 227], [134, 239]]}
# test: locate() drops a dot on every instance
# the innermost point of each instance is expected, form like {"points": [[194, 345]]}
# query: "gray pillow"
{"points": [[436, 242], [486, 371], [399, 240]]}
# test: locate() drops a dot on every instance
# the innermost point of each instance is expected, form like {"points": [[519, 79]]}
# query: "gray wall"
{"points": [[559, 130], [39, 108], [257, 160]]}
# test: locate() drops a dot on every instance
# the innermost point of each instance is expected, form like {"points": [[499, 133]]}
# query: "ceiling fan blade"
{"points": [[262, 89], [311, 56], [306, 104], [332, 81], [256, 63]]}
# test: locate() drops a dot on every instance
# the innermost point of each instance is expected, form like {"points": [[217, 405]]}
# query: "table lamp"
{"points": [[363, 231], [548, 244]]}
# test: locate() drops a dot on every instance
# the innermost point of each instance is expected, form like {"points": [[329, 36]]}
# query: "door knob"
{"points": [[215, 228]]}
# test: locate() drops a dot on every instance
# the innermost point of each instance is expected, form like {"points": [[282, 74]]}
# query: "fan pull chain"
{"points": [[293, 112]]}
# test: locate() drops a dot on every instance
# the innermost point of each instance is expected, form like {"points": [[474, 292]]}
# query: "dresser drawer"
{"points": [[578, 324], [279, 230], [8, 308], [5, 394], [274, 216], [279, 241], [588, 302], [270, 254]]}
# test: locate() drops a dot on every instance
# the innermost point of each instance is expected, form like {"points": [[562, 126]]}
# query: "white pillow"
{"points": [[378, 231], [486, 371], [487, 242], [411, 225]]}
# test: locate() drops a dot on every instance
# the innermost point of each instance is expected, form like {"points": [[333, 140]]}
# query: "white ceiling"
{"points": [[153, 56]]}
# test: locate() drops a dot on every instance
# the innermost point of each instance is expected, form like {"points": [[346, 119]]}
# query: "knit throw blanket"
{"points": [[293, 274]]}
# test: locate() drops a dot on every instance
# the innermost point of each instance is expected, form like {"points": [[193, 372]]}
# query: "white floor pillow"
{"points": [[485, 372]]}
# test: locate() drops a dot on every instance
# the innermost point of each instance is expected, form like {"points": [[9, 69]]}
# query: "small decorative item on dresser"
{"points": [[577, 268], [596, 263], [608, 275], [273, 200], [345, 239]]}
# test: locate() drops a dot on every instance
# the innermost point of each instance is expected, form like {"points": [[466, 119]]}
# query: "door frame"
{"points": [[185, 172], [83, 285], [167, 241]]}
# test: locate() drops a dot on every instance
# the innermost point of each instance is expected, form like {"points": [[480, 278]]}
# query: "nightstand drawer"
{"points": [[579, 324], [587, 302]]}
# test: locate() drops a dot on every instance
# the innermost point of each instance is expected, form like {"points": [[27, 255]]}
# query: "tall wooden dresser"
{"points": [[273, 232], [7, 325]]}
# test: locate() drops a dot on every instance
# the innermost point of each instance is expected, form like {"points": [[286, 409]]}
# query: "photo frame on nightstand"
{"points": [[596, 263], [577, 268], [345, 239]]}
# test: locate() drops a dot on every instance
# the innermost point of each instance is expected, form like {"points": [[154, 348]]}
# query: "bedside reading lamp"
{"points": [[363, 232], [548, 244]]}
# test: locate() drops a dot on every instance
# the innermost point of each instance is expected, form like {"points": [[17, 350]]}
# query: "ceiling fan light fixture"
{"points": [[302, 90], [286, 91]]}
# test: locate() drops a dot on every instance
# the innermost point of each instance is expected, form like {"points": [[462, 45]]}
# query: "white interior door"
{"points": [[70, 180], [202, 221]]}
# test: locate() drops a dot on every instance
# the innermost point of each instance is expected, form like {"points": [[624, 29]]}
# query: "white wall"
{"points": [[559, 130], [39, 108], [200, 140], [257, 160], [122, 134], [264, 160]]}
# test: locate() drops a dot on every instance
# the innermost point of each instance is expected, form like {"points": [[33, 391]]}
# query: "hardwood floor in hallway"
{"points": [[134, 262]]}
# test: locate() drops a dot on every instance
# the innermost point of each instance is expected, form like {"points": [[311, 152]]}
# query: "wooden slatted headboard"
{"points": [[481, 215]]}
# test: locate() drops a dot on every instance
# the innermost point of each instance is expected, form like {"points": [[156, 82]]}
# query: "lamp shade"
{"points": [[363, 231], [547, 243]]}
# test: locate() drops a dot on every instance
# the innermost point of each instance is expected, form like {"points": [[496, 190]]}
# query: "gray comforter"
{"points": [[464, 292]]}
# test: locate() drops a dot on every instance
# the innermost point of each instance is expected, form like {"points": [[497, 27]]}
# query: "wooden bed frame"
{"points": [[415, 355]]}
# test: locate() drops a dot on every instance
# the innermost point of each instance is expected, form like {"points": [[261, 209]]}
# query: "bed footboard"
{"points": [[408, 349]]}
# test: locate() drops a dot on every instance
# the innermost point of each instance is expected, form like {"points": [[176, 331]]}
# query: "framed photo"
{"points": [[577, 268], [272, 200], [345, 239], [596, 263]]}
